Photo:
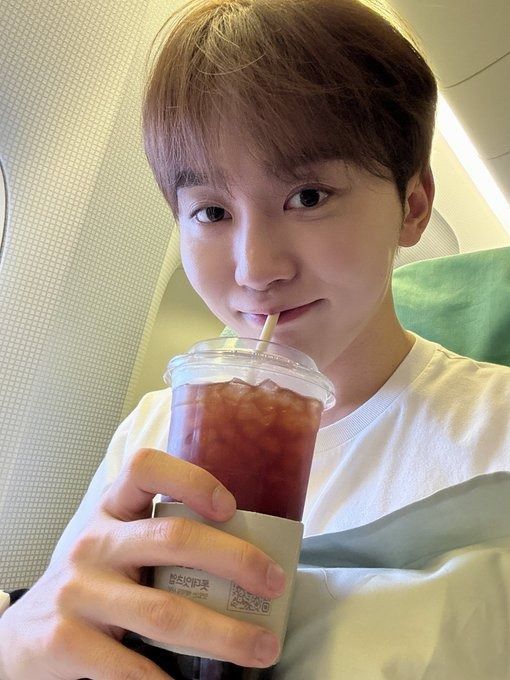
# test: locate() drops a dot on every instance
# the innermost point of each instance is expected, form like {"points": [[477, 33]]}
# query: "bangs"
{"points": [[285, 151], [250, 68]]}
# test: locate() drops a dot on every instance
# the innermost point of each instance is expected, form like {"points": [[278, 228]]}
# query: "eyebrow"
{"points": [[307, 172], [191, 178], [188, 178]]}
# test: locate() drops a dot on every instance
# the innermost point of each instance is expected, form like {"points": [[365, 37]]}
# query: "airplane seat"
{"points": [[88, 248], [459, 301]]}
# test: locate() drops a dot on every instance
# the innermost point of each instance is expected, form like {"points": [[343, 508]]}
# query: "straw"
{"points": [[267, 331]]}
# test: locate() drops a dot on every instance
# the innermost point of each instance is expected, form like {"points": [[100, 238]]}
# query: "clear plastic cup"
{"points": [[249, 413]]}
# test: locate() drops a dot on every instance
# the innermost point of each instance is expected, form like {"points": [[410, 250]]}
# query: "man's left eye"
{"points": [[307, 198]]}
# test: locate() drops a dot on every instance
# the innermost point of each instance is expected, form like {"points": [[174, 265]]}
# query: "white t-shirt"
{"points": [[439, 420]]}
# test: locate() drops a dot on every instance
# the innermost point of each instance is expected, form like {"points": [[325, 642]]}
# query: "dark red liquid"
{"points": [[258, 441]]}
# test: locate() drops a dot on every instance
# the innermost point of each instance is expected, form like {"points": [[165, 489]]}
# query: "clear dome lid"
{"points": [[253, 361]]}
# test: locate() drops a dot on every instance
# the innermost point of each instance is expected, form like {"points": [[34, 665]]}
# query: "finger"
{"points": [[178, 541], [84, 652], [150, 472], [180, 622]]}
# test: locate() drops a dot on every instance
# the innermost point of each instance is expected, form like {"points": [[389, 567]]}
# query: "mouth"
{"points": [[286, 315]]}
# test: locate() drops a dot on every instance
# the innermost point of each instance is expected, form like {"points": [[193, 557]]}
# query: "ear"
{"points": [[418, 207]]}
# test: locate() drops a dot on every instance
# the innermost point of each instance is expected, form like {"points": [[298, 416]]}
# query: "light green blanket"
{"points": [[421, 594]]}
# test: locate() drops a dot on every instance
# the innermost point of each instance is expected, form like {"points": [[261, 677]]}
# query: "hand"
{"points": [[70, 623]]}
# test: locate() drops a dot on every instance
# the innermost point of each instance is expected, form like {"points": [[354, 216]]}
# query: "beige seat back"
{"points": [[86, 256]]}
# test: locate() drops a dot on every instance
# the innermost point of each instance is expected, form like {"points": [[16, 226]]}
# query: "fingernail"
{"points": [[267, 648], [223, 501], [275, 578]]}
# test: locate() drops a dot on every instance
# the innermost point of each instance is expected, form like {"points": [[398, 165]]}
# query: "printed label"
{"points": [[279, 538], [240, 600], [188, 585]]}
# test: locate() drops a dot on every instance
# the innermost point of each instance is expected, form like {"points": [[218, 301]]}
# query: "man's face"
{"points": [[319, 251]]}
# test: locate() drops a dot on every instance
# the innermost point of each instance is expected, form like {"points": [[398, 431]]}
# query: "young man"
{"points": [[292, 141]]}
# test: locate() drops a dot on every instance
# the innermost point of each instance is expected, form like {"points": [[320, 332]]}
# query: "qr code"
{"points": [[242, 601]]}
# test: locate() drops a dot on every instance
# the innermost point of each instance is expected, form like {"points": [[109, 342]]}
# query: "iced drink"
{"points": [[249, 416], [257, 440]]}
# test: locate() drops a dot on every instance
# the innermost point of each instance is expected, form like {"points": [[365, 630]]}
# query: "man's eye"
{"points": [[212, 213], [307, 198]]}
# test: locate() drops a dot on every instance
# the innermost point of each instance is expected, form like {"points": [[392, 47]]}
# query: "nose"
{"points": [[263, 255]]}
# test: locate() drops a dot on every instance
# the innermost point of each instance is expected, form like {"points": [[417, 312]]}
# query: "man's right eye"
{"points": [[212, 213]]}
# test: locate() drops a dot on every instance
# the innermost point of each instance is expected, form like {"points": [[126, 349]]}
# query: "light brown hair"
{"points": [[303, 80]]}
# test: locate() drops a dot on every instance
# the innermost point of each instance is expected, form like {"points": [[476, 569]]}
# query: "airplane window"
{"points": [[3, 207]]}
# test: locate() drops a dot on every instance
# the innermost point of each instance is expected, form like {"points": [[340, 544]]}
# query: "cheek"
{"points": [[205, 269], [193, 263], [357, 259], [337, 258]]}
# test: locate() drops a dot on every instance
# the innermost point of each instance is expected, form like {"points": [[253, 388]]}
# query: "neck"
{"points": [[364, 367]]}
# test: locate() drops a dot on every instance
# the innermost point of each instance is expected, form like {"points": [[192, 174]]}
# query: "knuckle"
{"points": [[247, 556], [83, 548], [191, 475], [141, 459], [178, 533], [68, 592], [164, 615]]}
